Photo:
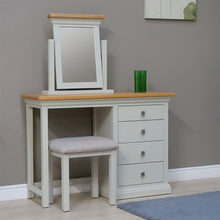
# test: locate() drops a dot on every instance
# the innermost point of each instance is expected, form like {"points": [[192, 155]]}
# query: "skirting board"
{"points": [[194, 173], [15, 192]]}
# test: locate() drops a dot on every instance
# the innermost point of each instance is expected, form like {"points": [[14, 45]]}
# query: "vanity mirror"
{"points": [[77, 59]]}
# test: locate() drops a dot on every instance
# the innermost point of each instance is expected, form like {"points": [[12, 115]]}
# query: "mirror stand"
{"points": [[51, 73], [56, 83]]}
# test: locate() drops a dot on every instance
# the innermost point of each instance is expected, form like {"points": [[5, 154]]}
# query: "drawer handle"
{"points": [[143, 131], [142, 174], [143, 113], [142, 153]]}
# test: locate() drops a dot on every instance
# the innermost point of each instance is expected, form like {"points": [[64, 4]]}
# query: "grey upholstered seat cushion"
{"points": [[81, 144]]}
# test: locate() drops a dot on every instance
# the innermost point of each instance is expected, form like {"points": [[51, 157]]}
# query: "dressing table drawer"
{"points": [[142, 112], [140, 173], [142, 159], [142, 152], [136, 131]]}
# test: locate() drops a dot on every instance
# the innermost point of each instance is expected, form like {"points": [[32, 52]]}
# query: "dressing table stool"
{"points": [[78, 147]]}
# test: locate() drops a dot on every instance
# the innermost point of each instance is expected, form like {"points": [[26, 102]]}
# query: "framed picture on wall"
{"points": [[170, 9]]}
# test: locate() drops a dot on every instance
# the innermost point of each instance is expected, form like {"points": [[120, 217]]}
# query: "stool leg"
{"points": [[51, 199], [95, 177], [112, 178], [65, 183]]}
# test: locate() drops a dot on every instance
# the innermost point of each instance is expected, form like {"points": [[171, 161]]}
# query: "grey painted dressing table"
{"points": [[138, 122]]}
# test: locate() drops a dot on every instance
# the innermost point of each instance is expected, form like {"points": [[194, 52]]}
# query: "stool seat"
{"points": [[79, 147], [81, 144]]}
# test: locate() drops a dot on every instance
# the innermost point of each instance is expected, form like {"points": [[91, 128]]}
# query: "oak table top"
{"points": [[116, 95]]}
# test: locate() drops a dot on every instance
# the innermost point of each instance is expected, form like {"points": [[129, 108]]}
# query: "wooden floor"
{"points": [[84, 207]]}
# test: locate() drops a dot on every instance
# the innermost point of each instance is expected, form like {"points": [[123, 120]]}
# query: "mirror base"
{"points": [[77, 92]]}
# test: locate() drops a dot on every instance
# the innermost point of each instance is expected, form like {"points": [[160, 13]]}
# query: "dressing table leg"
{"points": [[112, 178], [44, 157], [29, 145]]}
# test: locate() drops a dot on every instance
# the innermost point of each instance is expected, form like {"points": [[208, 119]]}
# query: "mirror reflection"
{"points": [[77, 54]]}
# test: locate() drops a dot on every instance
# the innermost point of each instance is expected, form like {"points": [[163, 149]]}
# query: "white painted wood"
{"points": [[115, 123], [138, 124], [62, 104], [141, 190], [95, 177], [79, 22], [54, 51], [104, 62], [104, 176], [86, 154], [44, 157], [65, 182], [165, 152], [140, 173], [51, 198], [51, 74], [142, 112], [29, 148], [75, 92], [98, 59], [94, 174], [51, 67], [35, 190], [59, 73], [136, 131], [112, 177], [106, 123], [143, 152]]}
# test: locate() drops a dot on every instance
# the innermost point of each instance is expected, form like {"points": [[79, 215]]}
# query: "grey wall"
{"points": [[181, 57]]}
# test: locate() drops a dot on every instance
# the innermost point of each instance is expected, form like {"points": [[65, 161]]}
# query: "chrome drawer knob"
{"points": [[142, 153], [142, 174], [143, 131], [143, 113]]}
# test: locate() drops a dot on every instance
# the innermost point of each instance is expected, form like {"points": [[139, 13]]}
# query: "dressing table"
{"points": [[137, 122]]}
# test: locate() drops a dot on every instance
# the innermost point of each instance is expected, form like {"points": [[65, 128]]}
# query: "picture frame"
{"points": [[170, 9]]}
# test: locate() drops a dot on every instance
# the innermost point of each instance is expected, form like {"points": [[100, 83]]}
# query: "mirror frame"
{"points": [[60, 84]]}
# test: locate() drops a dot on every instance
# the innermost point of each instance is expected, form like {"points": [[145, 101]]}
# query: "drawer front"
{"points": [[142, 112], [140, 174], [141, 131], [141, 152]]}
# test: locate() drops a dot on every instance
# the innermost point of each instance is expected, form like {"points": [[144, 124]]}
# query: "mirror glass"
{"points": [[81, 62], [78, 58]]}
